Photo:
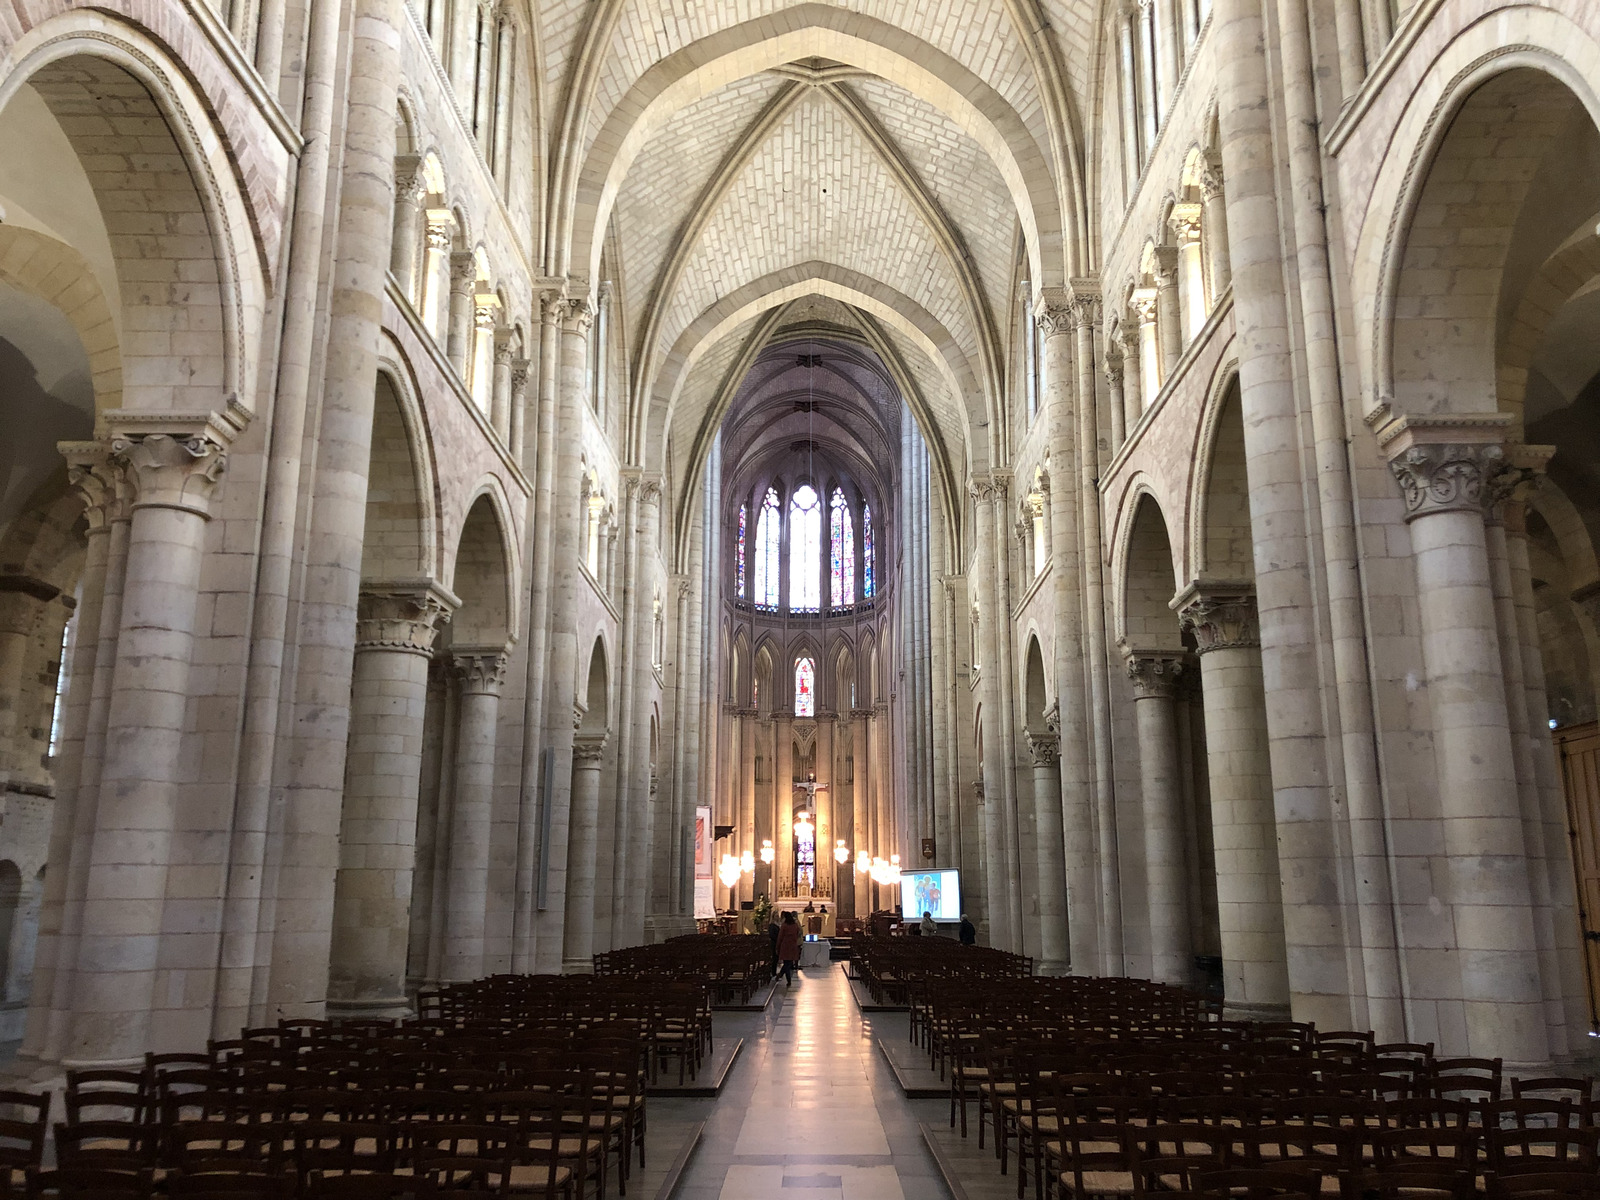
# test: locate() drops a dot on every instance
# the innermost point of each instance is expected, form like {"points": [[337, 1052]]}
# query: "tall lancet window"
{"points": [[869, 565], [767, 552], [805, 550], [805, 688], [738, 553], [842, 558]]}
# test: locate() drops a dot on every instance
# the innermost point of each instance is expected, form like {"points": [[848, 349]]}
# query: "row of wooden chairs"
{"points": [[733, 968]]}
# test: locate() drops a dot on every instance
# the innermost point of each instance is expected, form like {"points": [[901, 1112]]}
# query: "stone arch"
{"points": [[398, 542], [1466, 230], [761, 674], [482, 578], [1146, 579], [739, 675], [596, 718], [1221, 545], [189, 286], [586, 192], [845, 682], [1035, 688], [905, 315], [55, 272]]}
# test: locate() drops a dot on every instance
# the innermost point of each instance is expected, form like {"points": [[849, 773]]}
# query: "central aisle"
{"points": [[812, 1106]]}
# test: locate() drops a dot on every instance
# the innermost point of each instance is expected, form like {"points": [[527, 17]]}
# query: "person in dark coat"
{"points": [[789, 947], [772, 937], [969, 931]]}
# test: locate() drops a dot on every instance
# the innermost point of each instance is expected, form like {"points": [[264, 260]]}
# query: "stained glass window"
{"points": [[805, 853], [738, 554], [805, 688], [805, 550], [869, 566], [767, 552], [842, 555]]}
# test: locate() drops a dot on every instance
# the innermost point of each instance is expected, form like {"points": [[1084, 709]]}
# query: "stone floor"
{"points": [[811, 1109]]}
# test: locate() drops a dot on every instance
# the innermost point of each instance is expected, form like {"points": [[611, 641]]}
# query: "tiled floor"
{"points": [[811, 1111]]}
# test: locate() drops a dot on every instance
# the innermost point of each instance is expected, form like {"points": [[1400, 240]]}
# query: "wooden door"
{"points": [[1579, 746]]}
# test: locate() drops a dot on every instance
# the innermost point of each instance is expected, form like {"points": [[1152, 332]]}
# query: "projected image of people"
{"points": [[926, 894]]}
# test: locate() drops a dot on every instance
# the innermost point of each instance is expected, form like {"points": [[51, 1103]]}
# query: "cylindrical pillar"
{"points": [[1255, 961], [519, 413], [1116, 401], [1054, 957], [481, 672], [783, 803], [458, 334], [1155, 678], [500, 397], [1214, 228], [577, 956], [1169, 317], [395, 627], [406, 251], [130, 996], [1446, 487], [1132, 339]]}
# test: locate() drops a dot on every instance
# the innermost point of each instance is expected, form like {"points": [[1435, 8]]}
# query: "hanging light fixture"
{"points": [[802, 823], [728, 870], [863, 861], [841, 853], [747, 863], [767, 852]]}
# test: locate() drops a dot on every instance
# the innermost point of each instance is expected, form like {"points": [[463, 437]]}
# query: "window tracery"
{"points": [[805, 688], [842, 552], [738, 552], [868, 557], [805, 550], [766, 570]]}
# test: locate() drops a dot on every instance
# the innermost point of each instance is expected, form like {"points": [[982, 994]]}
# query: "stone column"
{"points": [[1249, 894], [1132, 371], [483, 92], [481, 672], [519, 412], [500, 396], [407, 247], [458, 333], [130, 994], [1054, 955], [1185, 225], [577, 955], [745, 837], [96, 480], [1117, 401], [997, 868], [1155, 676], [783, 800], [642, 813], [1169, 316], [395, 628], [1446, 485], [1214, 227]]}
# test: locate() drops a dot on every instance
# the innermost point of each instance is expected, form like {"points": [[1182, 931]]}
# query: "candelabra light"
{"points": [[767, 852], [841, 853], [728, 870]]}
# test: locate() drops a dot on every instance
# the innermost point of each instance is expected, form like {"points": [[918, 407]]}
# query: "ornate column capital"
{"points": [[1154, 673], [1211, 177], [1221, 613], [1084, 299], [519, 374], [463, 270], [481, 669], [100, 481], [408, 180], [1446, 462], [578, 316], [1113, 365], [175, 460], [1142, 308], [1184, 221], [440, 233], [1164, 265], [587, 750], [860, 714], [1045, 747], [1054, 314], [550, 295], [403, 615]]}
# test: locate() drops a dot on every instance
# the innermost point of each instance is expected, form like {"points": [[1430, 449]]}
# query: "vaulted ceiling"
{"points": [[753, 168]]}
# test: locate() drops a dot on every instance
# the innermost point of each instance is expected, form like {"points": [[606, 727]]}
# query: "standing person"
{"points": [[929, 927], [969, 931], [789, 947], [772, 936]]}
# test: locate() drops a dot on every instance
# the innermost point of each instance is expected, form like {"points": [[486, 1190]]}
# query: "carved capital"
{"points": [[977, 790], [1142, 310], [408, 183], [441, 230], [174, 460], [100, 481], [587, 751], [1448, 477], [1045, 747], [402, 616], [1164, 265], [1154, 673], [1184, 221], [1113, 367], [481, 671], [1211, 177], [552, 306], [1222, 616], [1053, 313], [519, 374], [1001, 482], [463, 271], [1084, 299], [578, 317]]}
